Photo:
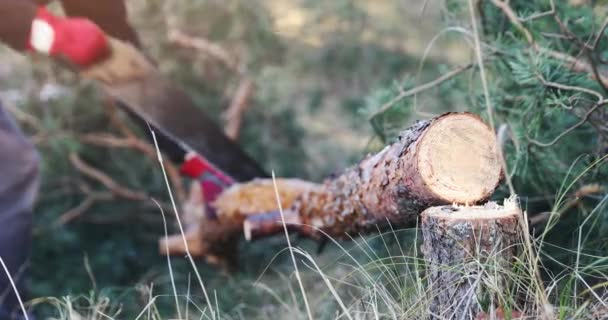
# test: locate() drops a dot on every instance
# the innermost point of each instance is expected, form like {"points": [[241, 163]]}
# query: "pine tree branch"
{"points": [[420, 88], [105, 180], [83, 207], [506, 9], [599, 35], [570, 129], [541, 14], [575, 199], [576, 64], [206, 47]]}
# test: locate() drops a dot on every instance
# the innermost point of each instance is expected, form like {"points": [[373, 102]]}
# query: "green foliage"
{"points": [[319, 89], [554, 141]]}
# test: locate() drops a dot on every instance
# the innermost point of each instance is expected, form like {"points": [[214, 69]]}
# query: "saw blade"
{"points": [[139, 88], [181, 125]]}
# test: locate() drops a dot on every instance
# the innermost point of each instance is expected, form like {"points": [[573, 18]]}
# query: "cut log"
{"points": [[469, 253], [450, 159], [258, 196]]}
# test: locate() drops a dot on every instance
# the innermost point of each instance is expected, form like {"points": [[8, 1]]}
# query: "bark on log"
{"points": [[469, 253], [450, 159]]}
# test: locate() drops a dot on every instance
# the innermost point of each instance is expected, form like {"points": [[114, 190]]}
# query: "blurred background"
{"points": [[320, 71]]}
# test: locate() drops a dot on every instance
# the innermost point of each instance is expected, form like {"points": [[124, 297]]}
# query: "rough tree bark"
{"points": [[469, 253], [450, 159]]}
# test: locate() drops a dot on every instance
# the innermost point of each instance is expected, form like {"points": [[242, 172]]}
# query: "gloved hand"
{"points": [[78, 40], [124, 63], [85, 45]]}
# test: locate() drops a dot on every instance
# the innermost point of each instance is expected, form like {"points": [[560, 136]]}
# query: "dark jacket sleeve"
{"points": [[15, 21], [110, 15]]}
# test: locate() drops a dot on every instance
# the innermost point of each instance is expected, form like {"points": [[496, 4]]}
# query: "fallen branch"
{"points": [[233, 116], [420, 88], [540, 220], [206, 47], [114, 191], [91, 199], [105, 180]]}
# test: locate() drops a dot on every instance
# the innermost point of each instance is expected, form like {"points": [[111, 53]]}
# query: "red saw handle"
{"points": [[213, 181]]}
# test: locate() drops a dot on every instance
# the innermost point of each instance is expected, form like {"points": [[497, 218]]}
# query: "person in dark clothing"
{"points": [[18, 188], [82, 40]]}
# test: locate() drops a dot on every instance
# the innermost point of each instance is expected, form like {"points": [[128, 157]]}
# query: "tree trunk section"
{"points": [[449, 159], [469, 253]]}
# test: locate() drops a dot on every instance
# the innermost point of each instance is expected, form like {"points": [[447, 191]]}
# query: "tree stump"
{"points": [[469, 253]]}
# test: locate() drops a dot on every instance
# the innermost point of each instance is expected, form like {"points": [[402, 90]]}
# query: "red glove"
{"points": [[79, 40], [212, 180]]}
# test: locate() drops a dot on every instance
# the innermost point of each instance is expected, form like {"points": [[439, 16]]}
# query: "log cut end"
{"points": [[489, 211], [258, 196], [458, 159]]}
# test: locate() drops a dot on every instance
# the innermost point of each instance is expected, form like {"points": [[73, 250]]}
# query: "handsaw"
{"points": [[181, 128]]}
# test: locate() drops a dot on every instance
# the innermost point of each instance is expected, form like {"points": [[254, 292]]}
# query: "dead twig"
{"points": [[583, 120], [585, 191], [83, 207], [115, 190], [206, 47], [600, 33], [112, 141], [105, 180], [540, 14], [600, 102], [233, 116], [420, 88]]}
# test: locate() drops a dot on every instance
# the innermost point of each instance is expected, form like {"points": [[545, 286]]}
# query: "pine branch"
{"points": [[419, 89]]}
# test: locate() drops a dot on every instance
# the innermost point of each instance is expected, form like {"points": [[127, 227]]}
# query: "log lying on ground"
{"points": [[450, 159], [469, 253]]}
